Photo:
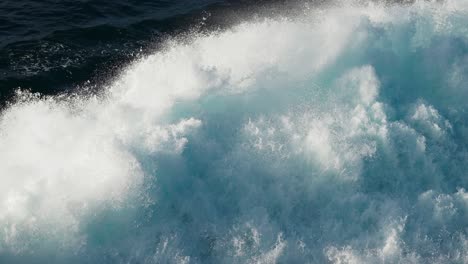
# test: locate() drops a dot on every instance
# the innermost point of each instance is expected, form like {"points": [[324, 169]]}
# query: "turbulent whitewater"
{"points": [[339, 135]]}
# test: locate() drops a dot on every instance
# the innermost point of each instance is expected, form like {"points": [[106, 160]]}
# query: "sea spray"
{"points": [[337, 136]]}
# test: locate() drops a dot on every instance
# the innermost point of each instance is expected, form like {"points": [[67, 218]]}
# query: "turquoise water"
{"points": [[338, 135]]}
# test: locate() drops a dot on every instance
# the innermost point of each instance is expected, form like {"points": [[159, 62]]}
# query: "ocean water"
{"points": [[186, 132]]}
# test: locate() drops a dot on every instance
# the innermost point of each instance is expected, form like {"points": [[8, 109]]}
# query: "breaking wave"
{"points": [[339, 135]]}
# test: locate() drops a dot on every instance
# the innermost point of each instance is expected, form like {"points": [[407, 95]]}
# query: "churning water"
{"points": [[337, 135]]}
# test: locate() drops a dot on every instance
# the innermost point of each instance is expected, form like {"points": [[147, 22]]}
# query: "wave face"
{"points": [[339, 136]]}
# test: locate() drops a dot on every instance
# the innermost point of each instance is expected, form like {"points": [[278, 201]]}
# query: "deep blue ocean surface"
{"points": [[233, 132], [52, 46]]}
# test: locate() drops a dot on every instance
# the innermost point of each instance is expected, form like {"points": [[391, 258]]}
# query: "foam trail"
{"points": [[336, 136]]}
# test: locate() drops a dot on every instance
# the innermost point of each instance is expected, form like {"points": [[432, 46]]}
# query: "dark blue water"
{"points": [[233, 132], [53, 46]]}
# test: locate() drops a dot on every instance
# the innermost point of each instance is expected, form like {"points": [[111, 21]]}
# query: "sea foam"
{"points": [[339, 135]]}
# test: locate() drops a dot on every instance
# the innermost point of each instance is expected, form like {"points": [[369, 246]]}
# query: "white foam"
{"points": [[63, 159], [336, 136]]}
